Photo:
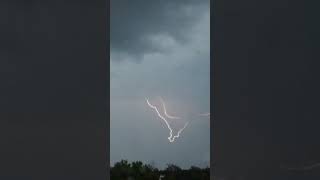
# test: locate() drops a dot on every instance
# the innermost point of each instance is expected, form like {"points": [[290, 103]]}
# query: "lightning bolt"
{"points": [[171, 138], [165, 110], [204, 114]]}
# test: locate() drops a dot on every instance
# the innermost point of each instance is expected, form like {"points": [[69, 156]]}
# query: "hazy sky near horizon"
{"points": [[160, 48]]}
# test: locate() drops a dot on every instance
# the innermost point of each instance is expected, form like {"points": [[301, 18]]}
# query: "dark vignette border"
{"points": [[212, 85], [265, 89], [54, 113]]}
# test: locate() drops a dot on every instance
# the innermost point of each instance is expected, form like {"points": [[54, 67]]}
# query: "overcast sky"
{"points": [[160, 48]]}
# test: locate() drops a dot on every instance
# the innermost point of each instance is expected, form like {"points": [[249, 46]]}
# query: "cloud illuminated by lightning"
{"points": [[171, 138]]}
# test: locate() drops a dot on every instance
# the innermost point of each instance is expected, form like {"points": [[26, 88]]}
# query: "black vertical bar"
{"points": [[54, 84]]}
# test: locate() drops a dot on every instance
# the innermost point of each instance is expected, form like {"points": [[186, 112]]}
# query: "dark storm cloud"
{"points": [[174, 65], [133, 23]]}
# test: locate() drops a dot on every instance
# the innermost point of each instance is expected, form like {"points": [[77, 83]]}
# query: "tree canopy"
{"points": [[137, 170]]}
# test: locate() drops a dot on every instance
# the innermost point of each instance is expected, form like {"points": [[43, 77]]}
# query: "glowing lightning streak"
{"points": [[178, 134], [165, 110], [171, 137], [204, 114]]}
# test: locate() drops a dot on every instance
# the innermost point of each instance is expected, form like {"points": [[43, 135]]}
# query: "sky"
{"points": [[160, 49]]}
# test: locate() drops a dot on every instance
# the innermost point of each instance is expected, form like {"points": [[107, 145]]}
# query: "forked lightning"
{"points": [[171, 138]]}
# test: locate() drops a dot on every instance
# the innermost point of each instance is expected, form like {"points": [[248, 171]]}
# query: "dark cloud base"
{"points": [[133, 22]]}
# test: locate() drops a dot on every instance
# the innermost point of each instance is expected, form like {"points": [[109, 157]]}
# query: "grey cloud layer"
{"points": [[134, 23], [171, 40]]}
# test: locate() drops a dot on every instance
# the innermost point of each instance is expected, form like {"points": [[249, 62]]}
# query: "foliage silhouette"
{"points": [[136, 170]]}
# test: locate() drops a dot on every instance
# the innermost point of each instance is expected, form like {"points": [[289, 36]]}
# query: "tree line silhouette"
{"points": [[137, 170]]}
